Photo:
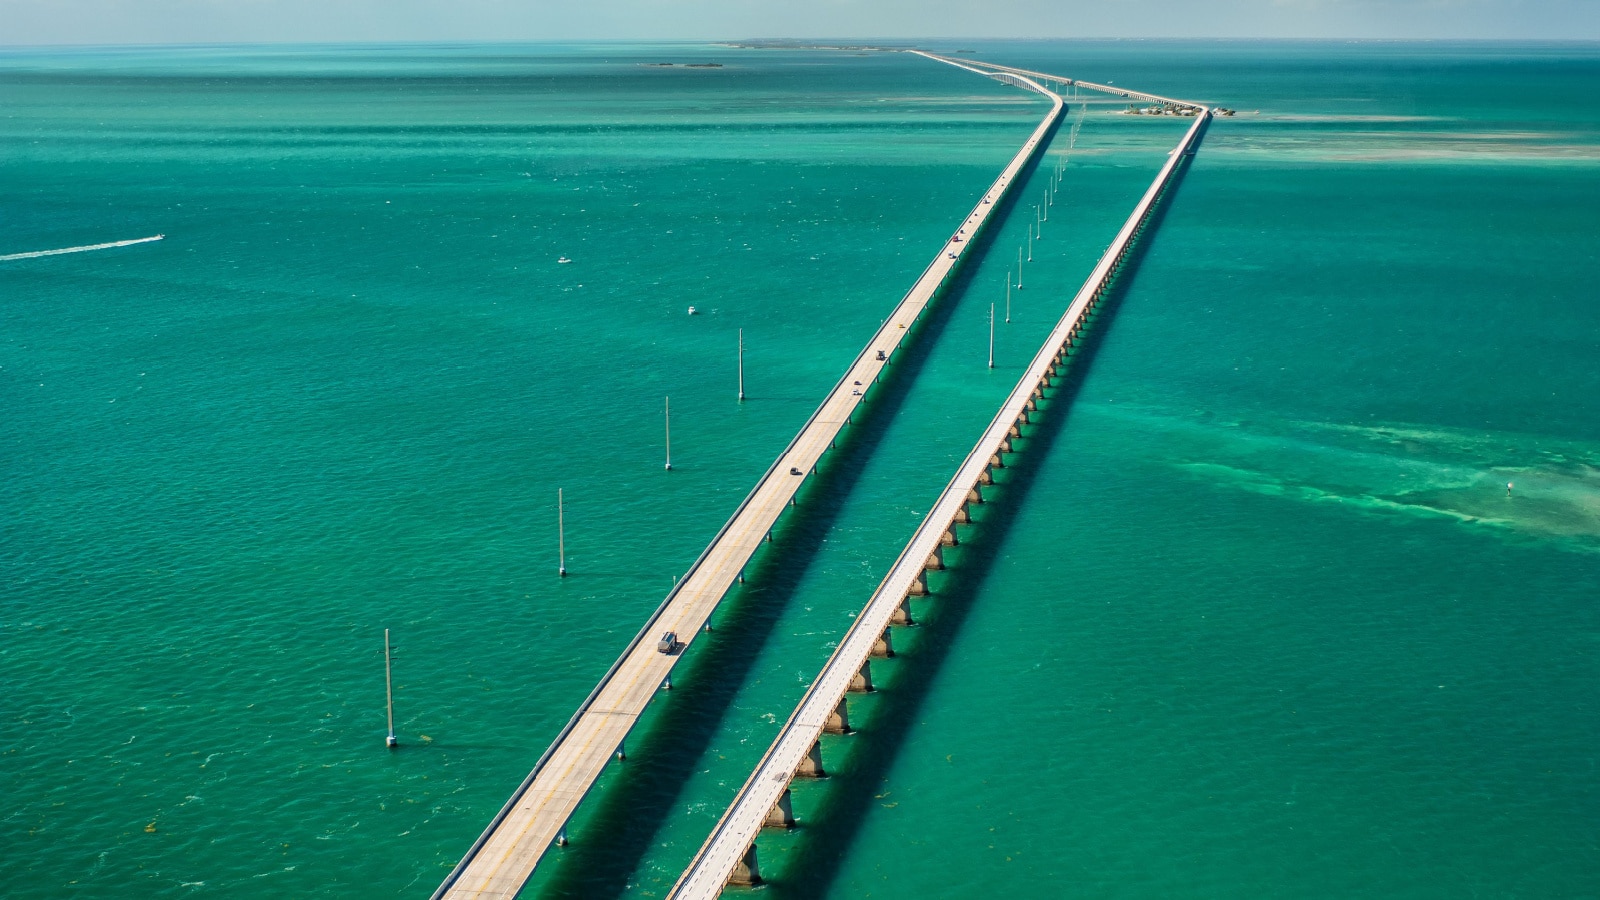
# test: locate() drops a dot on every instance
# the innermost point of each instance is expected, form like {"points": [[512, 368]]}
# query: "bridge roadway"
{"points": [[729, 852], [504, 856], [1058, 79]]}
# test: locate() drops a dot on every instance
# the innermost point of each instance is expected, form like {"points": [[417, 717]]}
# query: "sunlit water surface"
{"points": [[1253, 614]]}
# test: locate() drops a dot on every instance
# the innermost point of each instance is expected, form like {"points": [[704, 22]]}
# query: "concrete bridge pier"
{"points": [[747, 873], [935, 561], [782, 813], [861, 682], [838, 720], [902, 613], [811, 763], [919, 586], [883, 647]]}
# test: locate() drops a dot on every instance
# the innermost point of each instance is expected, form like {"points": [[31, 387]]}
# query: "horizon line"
{"points": [[862, 43]]}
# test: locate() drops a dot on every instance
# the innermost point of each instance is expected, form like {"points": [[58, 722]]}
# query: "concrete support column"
{"points": [[838, 720], [811, 763], [948, 539], [902, 613], [747, 872], [935, 560], [995, 462], [883, 647], [985, 477], [963, 517], [919, 585], [862, 682], [782, 813], [974, 495]]}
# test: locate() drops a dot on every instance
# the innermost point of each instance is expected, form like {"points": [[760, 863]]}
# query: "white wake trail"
{"points": [[84, 249]]}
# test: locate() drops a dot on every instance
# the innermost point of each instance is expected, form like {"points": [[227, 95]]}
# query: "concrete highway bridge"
{"points": [[535, 817], [729, 854]]}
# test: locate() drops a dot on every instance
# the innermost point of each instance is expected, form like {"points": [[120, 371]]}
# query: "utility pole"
{"points": [[561, 534], [991, 335], [388, 685]]}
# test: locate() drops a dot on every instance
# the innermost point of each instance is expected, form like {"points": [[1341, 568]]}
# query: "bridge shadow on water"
{"points": [[633, 798], [810, 863]]}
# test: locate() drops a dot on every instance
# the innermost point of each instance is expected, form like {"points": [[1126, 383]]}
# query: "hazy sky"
{"points": [[180, 21]]}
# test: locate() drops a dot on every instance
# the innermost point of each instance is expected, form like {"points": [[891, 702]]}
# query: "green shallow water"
{"points": [[1252, 613]]}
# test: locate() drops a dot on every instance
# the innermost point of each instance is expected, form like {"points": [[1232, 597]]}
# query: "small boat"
{"points": [[563, 260], [693, 311]]}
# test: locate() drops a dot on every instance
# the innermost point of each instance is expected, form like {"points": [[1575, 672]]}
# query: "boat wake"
{"points": [[84, 249]]}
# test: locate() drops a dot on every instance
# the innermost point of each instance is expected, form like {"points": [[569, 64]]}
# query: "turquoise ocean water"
{"points": [[1252, 614]]}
